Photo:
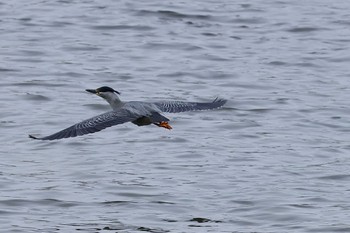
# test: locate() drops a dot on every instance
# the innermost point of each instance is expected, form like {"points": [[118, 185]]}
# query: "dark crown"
{"points": [[106, 89]]}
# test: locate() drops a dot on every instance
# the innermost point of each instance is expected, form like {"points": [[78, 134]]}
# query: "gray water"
{"points": [[274, 159]]}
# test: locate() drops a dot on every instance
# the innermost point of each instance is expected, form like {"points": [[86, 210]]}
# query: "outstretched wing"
{"points": [[179, 106], [93, 124]]}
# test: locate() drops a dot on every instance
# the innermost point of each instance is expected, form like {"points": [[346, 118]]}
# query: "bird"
{"points": [[138, 112]]}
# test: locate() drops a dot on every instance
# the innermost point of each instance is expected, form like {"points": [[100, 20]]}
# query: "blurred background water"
{"points": [[275, 159]]}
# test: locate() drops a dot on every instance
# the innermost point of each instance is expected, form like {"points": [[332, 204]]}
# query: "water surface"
{"points": [[275, 159]]}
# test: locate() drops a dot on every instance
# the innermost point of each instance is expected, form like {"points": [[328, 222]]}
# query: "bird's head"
{"points": [[104, 92]]}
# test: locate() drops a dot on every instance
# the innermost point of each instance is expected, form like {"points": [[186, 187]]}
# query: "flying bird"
{"points": [[137, 112]]}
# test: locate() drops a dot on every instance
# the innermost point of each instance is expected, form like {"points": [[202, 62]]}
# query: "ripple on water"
{"points": [[304, 29], [122, 27], [87, 47], [338, 177], [39, 83], [40, 202], [8, 70], [172, 14], [36, 97]]}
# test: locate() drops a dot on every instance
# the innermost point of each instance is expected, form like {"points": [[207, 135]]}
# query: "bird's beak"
{"points": [[92, 91]]}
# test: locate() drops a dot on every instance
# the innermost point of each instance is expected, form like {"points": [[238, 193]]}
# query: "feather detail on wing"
{"points": [[179, 106], [93, 124]]}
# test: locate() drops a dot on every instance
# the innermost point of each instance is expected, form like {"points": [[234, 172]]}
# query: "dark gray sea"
{"points": [[275, 159]]}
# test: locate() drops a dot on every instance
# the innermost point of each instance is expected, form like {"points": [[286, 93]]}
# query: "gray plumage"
{"points": [[139, 113], [178, 106]]}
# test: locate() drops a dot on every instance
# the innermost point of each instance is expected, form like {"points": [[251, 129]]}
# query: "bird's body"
{"points": [[137, 112]]}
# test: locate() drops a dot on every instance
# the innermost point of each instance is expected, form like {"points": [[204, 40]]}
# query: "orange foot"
{"points": [[164, 124]]}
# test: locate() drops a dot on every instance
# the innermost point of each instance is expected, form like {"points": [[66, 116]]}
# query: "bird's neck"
{"points": [[114, 101]]}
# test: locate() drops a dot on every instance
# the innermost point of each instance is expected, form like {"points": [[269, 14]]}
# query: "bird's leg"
{"points": [[163, 124]]}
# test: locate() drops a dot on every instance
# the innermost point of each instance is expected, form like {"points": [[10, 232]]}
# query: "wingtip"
{"points": [[32, 137], [217, 99], [220, 101]]}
